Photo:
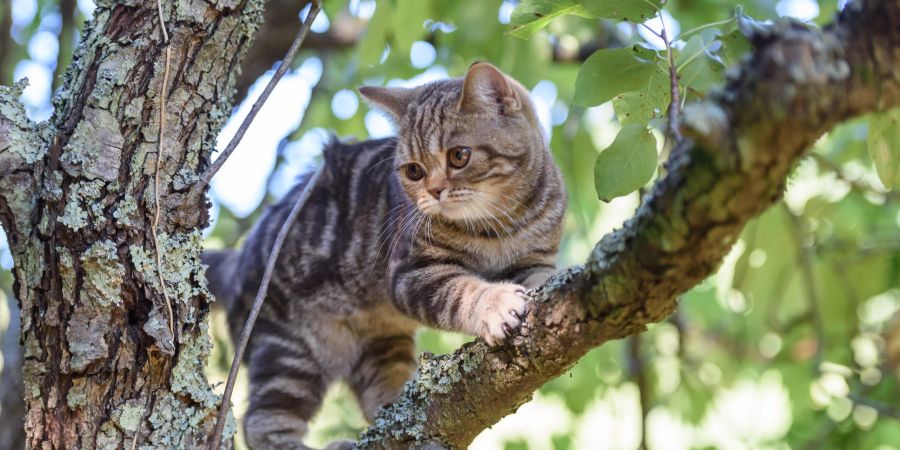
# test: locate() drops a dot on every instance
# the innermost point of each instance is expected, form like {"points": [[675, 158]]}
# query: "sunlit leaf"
{"points": [[627, 164], [646, 103], [532, 15], [632, 10], [884, 146], [698, 70], [611, 72]]}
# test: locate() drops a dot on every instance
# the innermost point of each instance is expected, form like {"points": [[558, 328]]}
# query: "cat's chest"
{"points": [[492, 257]]}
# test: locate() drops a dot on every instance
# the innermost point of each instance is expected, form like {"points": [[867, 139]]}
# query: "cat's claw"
{"points": [[503, 308]]}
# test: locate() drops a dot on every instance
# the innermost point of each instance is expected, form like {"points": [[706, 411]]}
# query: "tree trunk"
{"points": [[78, 201]]}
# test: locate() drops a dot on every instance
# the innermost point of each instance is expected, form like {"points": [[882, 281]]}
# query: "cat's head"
{"points": [[468, 149]]}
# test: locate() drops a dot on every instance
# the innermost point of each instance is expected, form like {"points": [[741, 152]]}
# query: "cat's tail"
{"points": [[221, 274]]}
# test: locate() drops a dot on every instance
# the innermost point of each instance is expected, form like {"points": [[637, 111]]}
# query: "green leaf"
{"points": [[532, 15], [644, 104], [632, 10], [884, 143], [575, 156], [697, 68], [734, 45], [611, 72], [627, 164]]}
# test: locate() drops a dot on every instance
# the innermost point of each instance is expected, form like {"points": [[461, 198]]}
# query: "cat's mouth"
{"points": [[456, 206]]}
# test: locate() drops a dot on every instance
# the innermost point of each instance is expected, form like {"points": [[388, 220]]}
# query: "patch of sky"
{"points": [[364, 9], [378, 125], [544, 95], [300, 157], [344, 104], [422, 54], [6, 261], [43, 48], [23, 12], [51, 21], [240, 184], [320, 25], [86, 7], [505, 13], [36, 96], [672, 29], [798, 9]]}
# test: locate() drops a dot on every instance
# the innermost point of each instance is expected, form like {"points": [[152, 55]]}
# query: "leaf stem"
{"points": [[703, 27]]}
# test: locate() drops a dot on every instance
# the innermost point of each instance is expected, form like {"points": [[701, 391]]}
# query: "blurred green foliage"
{"points": [[787, 346]]}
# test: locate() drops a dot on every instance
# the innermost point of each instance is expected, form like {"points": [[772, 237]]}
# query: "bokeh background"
{"points": [[794, 343]]}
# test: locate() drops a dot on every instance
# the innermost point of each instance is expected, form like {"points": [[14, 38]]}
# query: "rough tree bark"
{"points": [[797, 84], [77, 199]]}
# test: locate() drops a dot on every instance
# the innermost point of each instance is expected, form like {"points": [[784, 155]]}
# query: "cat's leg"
{"points": [[450, 297], [286, 389], [384, 366]]}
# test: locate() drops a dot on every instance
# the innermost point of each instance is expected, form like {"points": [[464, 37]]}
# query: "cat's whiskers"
{"points": [[495, 218], [389, 158], [497, 205], [415, 213], [489, 220], [383, 236]]}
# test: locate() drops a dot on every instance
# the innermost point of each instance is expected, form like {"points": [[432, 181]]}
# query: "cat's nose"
{"points": [[436, 192]]}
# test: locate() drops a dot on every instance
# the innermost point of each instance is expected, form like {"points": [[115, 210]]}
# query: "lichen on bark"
{"points": [[77, 198]]}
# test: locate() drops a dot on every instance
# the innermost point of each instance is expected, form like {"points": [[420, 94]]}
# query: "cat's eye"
{"points": [[458, 157], [414, 172]]}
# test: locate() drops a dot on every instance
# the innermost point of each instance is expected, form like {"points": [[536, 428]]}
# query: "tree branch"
{"points": [[277, 32], [796, 85]]}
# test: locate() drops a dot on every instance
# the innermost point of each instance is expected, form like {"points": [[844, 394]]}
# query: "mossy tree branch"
{"points": [[797, 84]]}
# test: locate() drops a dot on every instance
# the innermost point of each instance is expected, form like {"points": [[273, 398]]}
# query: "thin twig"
{"points": [[855, 183], [883, 408], [804, 258], [674, 130], [159, 159], [637, 371], [257, 305], [286, 63]]}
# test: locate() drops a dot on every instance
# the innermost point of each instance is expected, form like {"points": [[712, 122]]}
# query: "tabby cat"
{"points": [[446, 225]]}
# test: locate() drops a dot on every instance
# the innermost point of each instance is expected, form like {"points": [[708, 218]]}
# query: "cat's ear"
{"points": [[487, 88], [392, 100]]}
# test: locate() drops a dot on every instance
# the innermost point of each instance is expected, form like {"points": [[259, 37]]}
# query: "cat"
{"points": [[447, 225]]}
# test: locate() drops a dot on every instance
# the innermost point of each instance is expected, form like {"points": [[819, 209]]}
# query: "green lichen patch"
{"points": [[21, 136], [187, 376], [76, 396], [128, 416], [176, 423], [79, 195], [181, 266], [94, 150], [109, 436], [103, 274], [125, 213]]}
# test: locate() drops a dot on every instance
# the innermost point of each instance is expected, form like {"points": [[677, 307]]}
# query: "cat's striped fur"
{"points": [[375, 252]]}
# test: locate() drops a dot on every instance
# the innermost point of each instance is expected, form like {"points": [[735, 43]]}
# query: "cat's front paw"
{"points": [[502, 308]]}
